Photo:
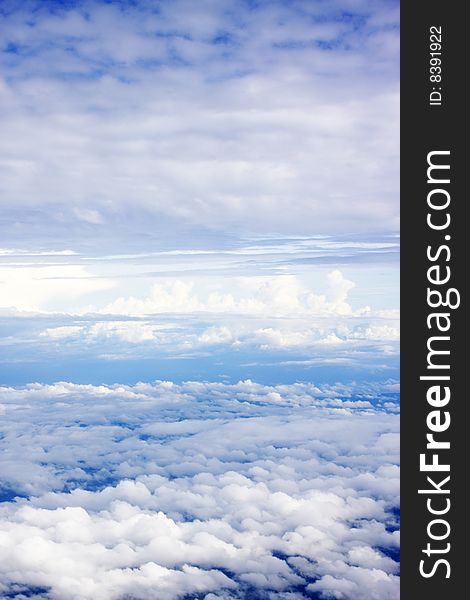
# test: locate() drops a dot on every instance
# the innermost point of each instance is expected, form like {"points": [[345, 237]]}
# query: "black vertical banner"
{"points": [[434, 425]]}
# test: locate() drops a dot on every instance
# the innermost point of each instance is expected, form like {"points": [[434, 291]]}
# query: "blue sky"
{"points": [[199, 301]]}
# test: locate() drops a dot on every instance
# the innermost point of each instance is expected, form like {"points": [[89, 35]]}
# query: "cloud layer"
{"points": [[272, 328], [270, 116], [161, 490]]}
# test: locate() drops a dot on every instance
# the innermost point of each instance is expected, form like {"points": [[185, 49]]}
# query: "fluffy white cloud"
{"points": [[215, 336], [361, 339], [128, 331], [259, 295], [160, 490], [270, 337], [277, 276]]}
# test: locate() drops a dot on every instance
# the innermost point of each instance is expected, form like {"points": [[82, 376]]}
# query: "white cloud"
{"points": [[39, 288], [283, 116], [62, 332], [259, 295], [128, 331], [339, 289], [378, 332], [359, 338], [200, 487], [216, 335], [270, 337]]}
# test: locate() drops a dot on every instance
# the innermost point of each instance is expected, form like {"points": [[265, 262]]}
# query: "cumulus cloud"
{"points": [[161, 490], [288, 346], [279, 275], [215, 336], [128, 331], [259, 295]]}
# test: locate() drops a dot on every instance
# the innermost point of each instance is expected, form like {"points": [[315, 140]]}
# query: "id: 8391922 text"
{"points": [[435, 65]]}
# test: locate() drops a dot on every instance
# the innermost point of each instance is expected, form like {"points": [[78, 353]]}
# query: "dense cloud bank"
{"points": [[130, 120], [199, 490]]}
